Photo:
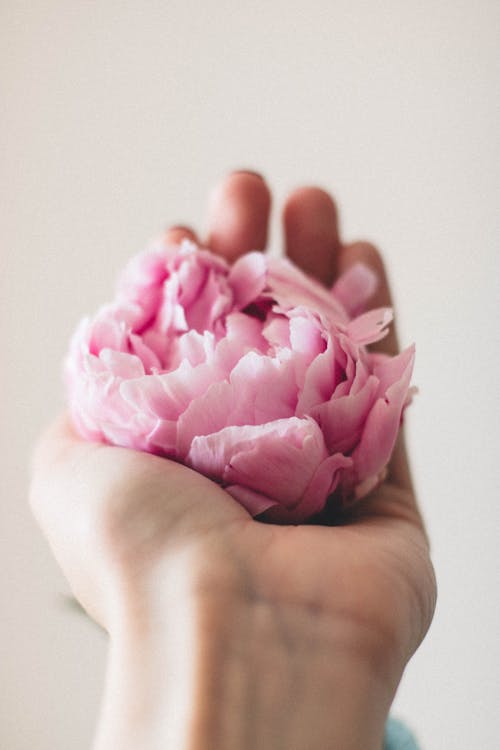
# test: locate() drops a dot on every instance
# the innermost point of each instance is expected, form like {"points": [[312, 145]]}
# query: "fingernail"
{"points": [[179, 228], [247, 171]]}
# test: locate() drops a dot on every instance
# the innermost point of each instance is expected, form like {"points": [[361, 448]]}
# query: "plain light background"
{"points": [[116, 118]]}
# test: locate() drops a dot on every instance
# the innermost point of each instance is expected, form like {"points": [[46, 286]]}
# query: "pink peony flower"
{"points": [[252, 374]]}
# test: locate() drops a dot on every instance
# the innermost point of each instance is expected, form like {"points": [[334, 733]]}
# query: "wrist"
{"points": [[287, 678], [228, 671]]}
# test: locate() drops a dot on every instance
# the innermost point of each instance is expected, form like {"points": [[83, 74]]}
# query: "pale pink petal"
{"points": [[247, 278], [195, 347], [158, 344], [347, 357], [321, 377], [147, 355], [361, 375], [191, 276], [381, 428], [164, 437], [254, 502], [371, 326], [121, 364], [247, 331], [128, 435], [391, 369], [342, 419], [271, 383], [142, 278], [186, 383], [355, 287], [228, 352], [290, 287], [209, 304], [208, 413], [91, 365], [323, 483], [260, 389], [277, 330], [106, 332], [171, 317], [168, 395], [275, 466], [277, 459], [148, 395], [306, 336]]}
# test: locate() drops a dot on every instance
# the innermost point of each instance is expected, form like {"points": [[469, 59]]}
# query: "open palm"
{"points": [[115, 517]]}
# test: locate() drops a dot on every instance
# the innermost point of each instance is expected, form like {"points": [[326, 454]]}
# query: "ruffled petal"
{"points": [[277, 459], [124, 365], [381, 428], [355, 287], [389, 370], [164, 437], [306, 336], [370, 327], [323, 484], [254, 502], [259, 389], [290, 287], [342, 419], [247, 278], [148, 395], [148, 356], [320, 380], [247, 331], [268, 383]]}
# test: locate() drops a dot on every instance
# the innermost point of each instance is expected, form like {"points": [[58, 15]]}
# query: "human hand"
{"points": [[165, 560]]}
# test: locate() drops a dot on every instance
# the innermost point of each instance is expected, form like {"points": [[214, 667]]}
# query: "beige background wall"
{"points": [[116, 117]]}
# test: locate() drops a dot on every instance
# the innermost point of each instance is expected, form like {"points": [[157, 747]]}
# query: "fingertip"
{"points": [[250, 172], [310, 198], [176, 234], [311, 231], [238, 215]]}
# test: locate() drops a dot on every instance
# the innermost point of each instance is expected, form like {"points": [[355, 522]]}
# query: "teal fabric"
{"points": [[398, 737]]}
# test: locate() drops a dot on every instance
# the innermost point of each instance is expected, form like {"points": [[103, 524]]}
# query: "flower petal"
{"points": [[381, 428], [277, 459], [355, 287], [324, 482], [255, 502], [259, 389], [371, 326], [247, 278], [342, 419], [290, 287], [122, 364]]}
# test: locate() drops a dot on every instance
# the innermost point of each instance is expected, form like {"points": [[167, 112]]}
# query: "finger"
{"points": [[175, 235], [364, 252], [238, 215], [311, 232]]}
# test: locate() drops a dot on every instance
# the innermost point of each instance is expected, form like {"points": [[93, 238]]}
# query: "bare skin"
{"points": [[303, 632]]}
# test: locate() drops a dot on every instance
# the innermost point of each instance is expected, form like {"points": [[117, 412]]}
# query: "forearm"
{"points": [[232, 674]]}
